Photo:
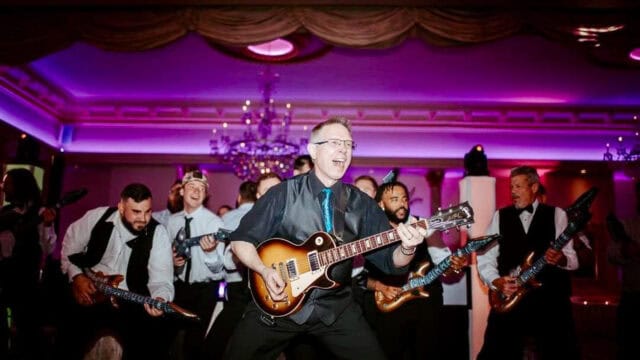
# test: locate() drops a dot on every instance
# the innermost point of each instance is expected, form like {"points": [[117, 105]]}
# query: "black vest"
{"points": [[515, 245], [137, 275]]}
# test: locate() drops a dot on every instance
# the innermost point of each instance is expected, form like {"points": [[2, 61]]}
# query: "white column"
{"points": [[480, 192]]}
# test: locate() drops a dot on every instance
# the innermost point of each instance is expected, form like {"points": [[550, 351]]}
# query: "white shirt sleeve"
{"points": [[161, 266], [488, 260], [568, 250], [77, 238]]}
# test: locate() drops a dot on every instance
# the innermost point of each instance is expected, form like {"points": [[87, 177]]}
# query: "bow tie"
{"points": [[526, 208]]}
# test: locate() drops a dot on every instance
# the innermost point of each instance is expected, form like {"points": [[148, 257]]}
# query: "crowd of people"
{"points": [[340, 321]]}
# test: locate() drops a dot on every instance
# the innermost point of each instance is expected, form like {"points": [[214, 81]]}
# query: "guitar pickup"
{"points": [[292, 269]]}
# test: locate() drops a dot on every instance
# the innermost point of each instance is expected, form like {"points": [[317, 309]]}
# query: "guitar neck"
{"points": [[562, 240], [132, 297], [355, 248], [436, 272]]}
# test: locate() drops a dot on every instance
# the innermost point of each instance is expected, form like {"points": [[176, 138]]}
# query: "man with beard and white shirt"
{"points": [[294, 210], [125, 241], [410, 331], [198, 276]]}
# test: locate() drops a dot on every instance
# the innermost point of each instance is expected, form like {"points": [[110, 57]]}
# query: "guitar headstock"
{"points": [[455, 216], [578, 212]]}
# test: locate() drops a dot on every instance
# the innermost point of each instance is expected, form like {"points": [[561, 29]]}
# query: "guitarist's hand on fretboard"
{"points": [[506, 285], [208, 243], [83, 290], [555, 257], [457, 264], [152, 310]]}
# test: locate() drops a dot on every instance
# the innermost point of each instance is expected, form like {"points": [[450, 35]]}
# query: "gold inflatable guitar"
{"points": [[414, 288]]}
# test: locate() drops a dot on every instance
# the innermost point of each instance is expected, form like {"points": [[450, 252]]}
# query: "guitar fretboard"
{"points": [[129, 296], [571, 229], [354, 248], [434, 273]]}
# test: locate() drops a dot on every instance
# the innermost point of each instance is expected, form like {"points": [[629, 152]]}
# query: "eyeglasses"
{"points": [[338, 143]]}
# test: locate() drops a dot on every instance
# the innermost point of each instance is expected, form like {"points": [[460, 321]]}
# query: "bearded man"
{"points": [[122, 240]]}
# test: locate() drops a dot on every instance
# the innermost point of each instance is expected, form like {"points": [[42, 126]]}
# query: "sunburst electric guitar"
{"points": [[108, 290], [306, 266], [414, 288], [578, 215]]}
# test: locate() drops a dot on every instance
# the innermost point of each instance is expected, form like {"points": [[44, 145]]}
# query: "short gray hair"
{"points": [[529, 172]]}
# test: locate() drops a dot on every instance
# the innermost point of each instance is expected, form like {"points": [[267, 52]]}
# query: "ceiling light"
{"points": [[277, 47], [635, 54]]}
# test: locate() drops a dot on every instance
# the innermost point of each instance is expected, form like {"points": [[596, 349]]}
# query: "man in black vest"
{"points": [[544, 314], [126, 241], [294, 210]]}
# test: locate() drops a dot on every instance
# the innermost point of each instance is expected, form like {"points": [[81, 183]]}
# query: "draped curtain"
{"points": [[28, 34]]}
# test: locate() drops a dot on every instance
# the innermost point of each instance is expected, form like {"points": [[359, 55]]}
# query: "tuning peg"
{"points": [[439, 209]]}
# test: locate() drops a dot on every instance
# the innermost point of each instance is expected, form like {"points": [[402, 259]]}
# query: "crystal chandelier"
{"points": [[624, 152], [259, 151]]}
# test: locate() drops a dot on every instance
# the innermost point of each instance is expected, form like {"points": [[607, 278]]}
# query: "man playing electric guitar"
{"points": [[294, 210], [411, 329], [123, 240], [544, 314]]}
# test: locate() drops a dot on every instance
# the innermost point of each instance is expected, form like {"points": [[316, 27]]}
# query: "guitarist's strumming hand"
{"points": [[389, 292], [83, 290], [152, 310], [275, 284], [555, 257], [507, 285], [208, 243]]}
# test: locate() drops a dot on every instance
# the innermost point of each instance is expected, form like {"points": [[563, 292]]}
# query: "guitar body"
{"points": [[296, 269], [501, 303], [109, 280], [387, 305]]}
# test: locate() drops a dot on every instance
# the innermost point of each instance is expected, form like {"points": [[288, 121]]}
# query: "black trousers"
{"points": [[259, 337], [200, 298], [238, 297], [544, 318], [411, 331]]}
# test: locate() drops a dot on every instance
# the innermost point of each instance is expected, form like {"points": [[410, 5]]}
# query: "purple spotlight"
{"points": [[635, 54], [277, 47]]}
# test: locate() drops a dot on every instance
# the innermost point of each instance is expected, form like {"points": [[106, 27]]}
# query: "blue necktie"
{"points": [[327, 214]]}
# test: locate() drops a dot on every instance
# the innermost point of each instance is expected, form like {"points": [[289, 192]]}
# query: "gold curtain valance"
{"points": [[28, 35]]}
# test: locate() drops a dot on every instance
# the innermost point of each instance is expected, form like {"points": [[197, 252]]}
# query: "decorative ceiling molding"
{"points": [[26, 84]]}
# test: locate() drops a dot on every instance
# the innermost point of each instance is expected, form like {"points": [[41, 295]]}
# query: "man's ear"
{"points": [[121, 207], [535, 187], [311, 149], [381, 204], [182, 191]]}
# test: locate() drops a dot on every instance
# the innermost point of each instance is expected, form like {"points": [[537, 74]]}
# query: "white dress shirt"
{"points": [[162, 216], [116, 256], [205, 266], [488, 261], [231, 222]]}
